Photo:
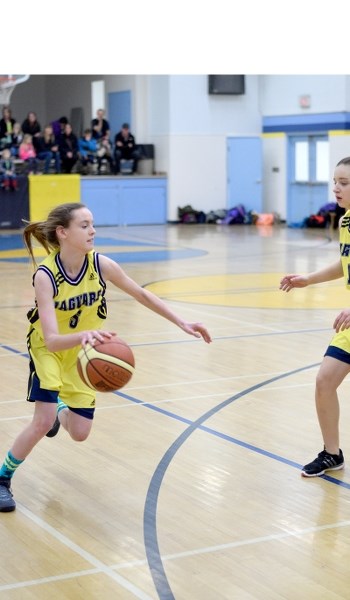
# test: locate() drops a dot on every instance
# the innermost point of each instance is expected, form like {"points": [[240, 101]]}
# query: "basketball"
{"points": [[107, 366]]}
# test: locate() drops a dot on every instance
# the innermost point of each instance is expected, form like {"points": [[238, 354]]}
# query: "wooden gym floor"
{"points": [[189, 486]]}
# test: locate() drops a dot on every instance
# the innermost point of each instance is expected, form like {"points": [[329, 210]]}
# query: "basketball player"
{"points": [[70, 309], [335, 365]]}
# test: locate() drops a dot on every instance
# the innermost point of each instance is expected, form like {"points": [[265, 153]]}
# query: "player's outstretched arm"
{"points": [[112, 272], [333, 271], [293, 281]]}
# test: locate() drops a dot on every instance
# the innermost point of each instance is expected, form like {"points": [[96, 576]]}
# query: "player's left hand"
{"points": [[342, 321], [198, 330]]}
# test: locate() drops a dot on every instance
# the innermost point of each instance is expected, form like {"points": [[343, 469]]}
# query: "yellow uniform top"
{"points": [[344, 238], [79, 303], [339, 347]]}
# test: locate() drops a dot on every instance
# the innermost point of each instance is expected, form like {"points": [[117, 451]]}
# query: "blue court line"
{"points": [[231, 439], [154, 559]]}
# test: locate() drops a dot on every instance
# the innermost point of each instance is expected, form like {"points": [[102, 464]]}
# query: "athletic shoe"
{"points": [[7, 503], [322, 463], [54, 429]]}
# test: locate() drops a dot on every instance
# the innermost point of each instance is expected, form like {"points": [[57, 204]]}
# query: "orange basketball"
{"points": [[107, 366]]}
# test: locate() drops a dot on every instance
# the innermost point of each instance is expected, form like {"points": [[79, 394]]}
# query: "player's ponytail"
{"points": [[45, 231], [38, 231]]}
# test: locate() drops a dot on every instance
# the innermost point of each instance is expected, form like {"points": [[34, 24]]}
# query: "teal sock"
{"points": [[60, 406], [9, 466]]}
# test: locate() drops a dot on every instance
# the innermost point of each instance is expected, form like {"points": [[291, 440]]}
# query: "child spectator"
{"points": [[87, 149], [17, 138], [104, 152], [27, 153], [7, 171]]}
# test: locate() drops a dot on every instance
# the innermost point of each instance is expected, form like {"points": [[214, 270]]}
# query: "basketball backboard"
{"points": [[7, 85]]}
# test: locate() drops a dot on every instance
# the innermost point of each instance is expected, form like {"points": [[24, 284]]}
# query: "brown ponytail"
{"points": [[45, 231]]}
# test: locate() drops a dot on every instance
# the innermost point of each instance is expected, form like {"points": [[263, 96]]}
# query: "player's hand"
{"points": [[96, 335], [293, 281], [197, 330], [342, 321]]}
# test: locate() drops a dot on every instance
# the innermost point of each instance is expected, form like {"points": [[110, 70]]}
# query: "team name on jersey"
{"points": [[86, 299], [345, 222]]}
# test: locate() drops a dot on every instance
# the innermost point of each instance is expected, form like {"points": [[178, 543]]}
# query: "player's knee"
{"points": [[79, 436], [42, 425], [322, 382]]}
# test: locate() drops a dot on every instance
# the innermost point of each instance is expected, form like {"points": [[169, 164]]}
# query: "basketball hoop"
{"points": [[7, 85]]}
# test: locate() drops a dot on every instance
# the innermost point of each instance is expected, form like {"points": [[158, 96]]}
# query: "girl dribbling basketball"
{"points": [[70, 309]]}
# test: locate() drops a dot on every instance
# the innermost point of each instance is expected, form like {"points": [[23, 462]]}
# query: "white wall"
{"points": [[280, 94], [199, 124], [275, 173], [198, 173]]}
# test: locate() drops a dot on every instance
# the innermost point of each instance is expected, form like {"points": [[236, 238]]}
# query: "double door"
{"points": [[308, 176]]}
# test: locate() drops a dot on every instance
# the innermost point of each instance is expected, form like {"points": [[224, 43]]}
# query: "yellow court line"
{"points": [[252, 290]]}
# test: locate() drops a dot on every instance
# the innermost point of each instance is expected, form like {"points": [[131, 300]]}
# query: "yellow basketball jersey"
{"points": [[79, 303], [344, 238]]}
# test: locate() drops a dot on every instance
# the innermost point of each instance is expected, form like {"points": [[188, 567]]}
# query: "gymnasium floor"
{"points": [[189, 486]]}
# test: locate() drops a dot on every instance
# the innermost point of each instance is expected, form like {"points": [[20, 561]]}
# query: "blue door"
{"points": [[244, 172], [308, 176], [119, 111]]}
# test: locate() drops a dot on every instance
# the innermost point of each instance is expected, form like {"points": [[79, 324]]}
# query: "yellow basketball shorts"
{"points": [[56, 373], [339, 346]]}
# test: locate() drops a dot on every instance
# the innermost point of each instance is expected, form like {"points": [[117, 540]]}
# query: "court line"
{"points": [[150, 532], [102, 568], [238, 544], [42, 580], [271, 331], [153, 555], [187, 553]]}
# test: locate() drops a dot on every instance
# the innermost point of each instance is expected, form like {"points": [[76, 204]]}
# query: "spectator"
{"points": [[6, 127], [104, 153], [87, 150], [125, 148], [7, 171], [47, 149], [16, 139], [100, 126], [27, 153], [58, 127], [68, 143], [31, 125]]}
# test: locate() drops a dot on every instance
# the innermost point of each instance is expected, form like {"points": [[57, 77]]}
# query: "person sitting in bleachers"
{"points": [[6, 127], [58, 127], [47, 149], [31, 125], [16, 139], [7, 171], [104, 154], [87, 150], [100, 126], [68, 144], [28, 155], [125, 149]]}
